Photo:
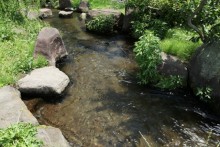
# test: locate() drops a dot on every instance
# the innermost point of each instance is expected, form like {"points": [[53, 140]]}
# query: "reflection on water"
{"points": [[104, 105]]}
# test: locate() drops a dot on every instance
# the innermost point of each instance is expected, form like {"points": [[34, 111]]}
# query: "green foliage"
{"points": [[106, 4], [176, 13], [19, 135], [147, 54], [204, 93], [13, 9], [101, 24], [171, 82], [178, 43], [16, 51]]}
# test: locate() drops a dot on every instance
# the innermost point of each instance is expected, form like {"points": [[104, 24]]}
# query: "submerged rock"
{"points": [[52, 137], [50, 44], [66, 14], [44, 81], [13, 110], [204, 72]]}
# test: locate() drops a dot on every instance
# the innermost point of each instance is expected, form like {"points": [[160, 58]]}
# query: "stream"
{"points": [[105, 106]]}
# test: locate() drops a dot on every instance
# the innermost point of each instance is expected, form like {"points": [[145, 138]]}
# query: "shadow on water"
{"points": [[104, 105]]}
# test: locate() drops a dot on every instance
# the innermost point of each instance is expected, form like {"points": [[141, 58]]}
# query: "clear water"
{"points": [[104, 105]]}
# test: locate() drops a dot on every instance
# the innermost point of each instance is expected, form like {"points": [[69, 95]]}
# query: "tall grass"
{"points": [[17, 40], [177, 42]]}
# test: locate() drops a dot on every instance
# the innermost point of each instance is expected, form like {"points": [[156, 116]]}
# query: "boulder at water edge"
{"points": [[52, 137], [44, 81], [50, 44], [204, 71], [45, 12], [83, 7], [13, 110], [65, 14]]}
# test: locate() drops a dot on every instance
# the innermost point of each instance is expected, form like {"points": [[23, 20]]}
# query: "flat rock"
{"points": [[65, 14], [13, 110], [52, 137], [44, 81]]}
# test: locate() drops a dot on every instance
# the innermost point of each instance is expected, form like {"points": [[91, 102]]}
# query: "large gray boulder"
{"points": [[50, 44], [13, 110], [63, 4], [118, 16], [52, 137], [44, 81], [204, 71]]}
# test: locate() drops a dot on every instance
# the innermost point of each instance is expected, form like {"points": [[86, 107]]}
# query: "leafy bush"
{"points": [[147, 53], [19, 135], [101, 24]]}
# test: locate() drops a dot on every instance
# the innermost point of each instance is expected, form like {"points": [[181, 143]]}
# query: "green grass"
{"points": [[177, 42], [17, 41], [100, 4], [19, 135]]}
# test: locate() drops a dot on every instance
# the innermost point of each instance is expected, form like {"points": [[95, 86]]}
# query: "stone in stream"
{"points": [[13, 110], [50, 44], [44, 81], [66, 14]]}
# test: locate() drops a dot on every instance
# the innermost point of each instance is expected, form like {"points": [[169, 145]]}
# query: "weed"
{"points": [[19, 135], [147, 53], [204, 93]]}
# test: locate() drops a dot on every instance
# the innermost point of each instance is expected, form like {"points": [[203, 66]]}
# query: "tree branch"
{"points": [[190, 18]]}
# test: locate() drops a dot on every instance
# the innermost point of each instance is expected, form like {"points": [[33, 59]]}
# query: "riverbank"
{"points": [[17, 46]]}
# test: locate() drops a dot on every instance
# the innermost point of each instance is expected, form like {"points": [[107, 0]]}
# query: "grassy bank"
{"points": [[99, 4], [17, 42], [178, 42]]}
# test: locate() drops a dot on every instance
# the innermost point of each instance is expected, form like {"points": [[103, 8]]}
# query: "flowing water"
{"points": [[104, 105]]}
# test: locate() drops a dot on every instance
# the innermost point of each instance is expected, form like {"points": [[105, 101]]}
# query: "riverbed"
{"points": [[105, 106]]}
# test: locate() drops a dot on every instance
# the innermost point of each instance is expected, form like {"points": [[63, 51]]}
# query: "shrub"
{"points": [[147, 53], [101, 24], [19, 135]]}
